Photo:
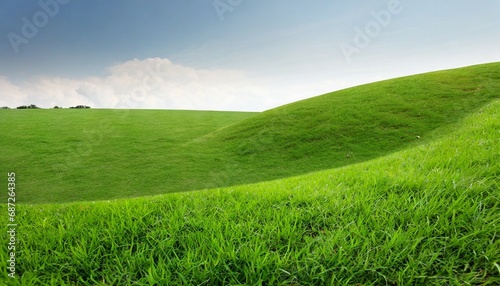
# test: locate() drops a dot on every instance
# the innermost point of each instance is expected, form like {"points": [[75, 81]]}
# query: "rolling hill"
{"points": [[424, 215], [88, 155], [70, 155]]}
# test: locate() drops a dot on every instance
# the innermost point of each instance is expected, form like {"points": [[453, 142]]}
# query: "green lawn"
{"points": [[67, 155], [391, 183], [427, 215], [89, 155]]}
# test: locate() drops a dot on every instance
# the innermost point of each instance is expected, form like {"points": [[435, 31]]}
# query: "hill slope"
{"points": [[356, 124], [422, 216], [81, 155]]}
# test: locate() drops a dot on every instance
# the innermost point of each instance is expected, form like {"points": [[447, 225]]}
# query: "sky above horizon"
{"points": [[237, 55]]}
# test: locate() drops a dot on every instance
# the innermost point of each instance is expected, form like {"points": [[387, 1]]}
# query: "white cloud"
{"points": [[160, 84]]}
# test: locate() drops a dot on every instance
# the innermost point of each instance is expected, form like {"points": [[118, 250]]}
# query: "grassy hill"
{"points": [[88, 155], [426, 215], [356, 124]]}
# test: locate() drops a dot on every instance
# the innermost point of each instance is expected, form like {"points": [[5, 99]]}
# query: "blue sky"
{"points": [[228, 54]]}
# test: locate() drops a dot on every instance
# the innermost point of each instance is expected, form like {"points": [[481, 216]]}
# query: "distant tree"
{"points": [[57, 107], [4, 107], [31, 106], [80, 107]]}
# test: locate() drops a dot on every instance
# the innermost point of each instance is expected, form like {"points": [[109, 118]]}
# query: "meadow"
{"points": [[65, 155], [391, 183]]}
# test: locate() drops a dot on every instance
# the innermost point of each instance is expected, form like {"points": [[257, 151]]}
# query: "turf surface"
{"points": [[87, 155], [428, 215]]}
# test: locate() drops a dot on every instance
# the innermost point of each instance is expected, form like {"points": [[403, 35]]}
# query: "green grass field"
{"points": [[87, 155], [333, 190], [83, 155]]}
